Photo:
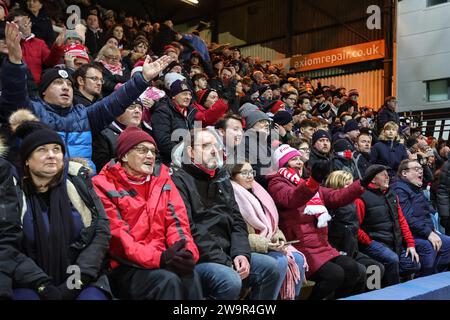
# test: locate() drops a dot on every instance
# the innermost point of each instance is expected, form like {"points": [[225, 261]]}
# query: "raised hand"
{"points": [[13, 37], [61, 36], [152, 69]]}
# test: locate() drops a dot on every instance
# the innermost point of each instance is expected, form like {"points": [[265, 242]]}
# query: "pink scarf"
{"points": [[315, 206], [264, 219], [114, 69]]}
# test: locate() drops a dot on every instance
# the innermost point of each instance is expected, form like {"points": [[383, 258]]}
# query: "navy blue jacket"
{"points": [[415, 207], [75, 124], [388, 153]]}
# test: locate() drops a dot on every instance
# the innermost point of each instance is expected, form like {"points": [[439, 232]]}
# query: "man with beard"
{"points": [[320, 148], [361, 157], [433, 248], [219, 231], [388, 113], [88, 84]]}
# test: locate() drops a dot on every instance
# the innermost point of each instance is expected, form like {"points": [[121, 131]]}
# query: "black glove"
{"points": [[49, 292], [182, 263], [320, 170], [170, 252]]}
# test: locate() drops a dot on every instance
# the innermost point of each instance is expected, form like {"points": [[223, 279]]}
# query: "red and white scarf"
{"points": [[315, 205], [115, 69]]}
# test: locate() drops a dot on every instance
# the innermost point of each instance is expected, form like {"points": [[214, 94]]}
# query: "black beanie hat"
{"points": [[35, 134], [51, 74], [351, 125], [342, 145], [320, 134], [282, 117]]}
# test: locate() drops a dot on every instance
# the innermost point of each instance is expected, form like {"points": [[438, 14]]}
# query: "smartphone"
{"points": [[291, 242]]}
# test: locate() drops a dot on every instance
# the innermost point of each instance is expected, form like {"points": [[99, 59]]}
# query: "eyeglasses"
{"points": [[134, 106], [306, 150], [208, 146], [416, 169], [144, 150], [113, 57], [247, 174], [96, 79]]}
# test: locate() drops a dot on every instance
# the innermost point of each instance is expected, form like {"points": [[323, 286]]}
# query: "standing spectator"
{"points": [[94, 35], [361, 157], [218, 228], [88, 84], [261, 215], [153, 253], [387, 113], [389, 151], [34, 50], [383, 228], [63, 224], [320, 148], [433, 248], [41, 25]]}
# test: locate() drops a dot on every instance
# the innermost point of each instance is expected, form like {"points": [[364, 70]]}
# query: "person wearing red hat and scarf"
{"points": [[210, 107], [152, 250], [303, 208]]}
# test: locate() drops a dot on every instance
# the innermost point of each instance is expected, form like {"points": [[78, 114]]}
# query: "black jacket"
{"points": [[165, 120], [88, 251], [339, 162], [79, 98], [362, 162], [94, 41], [343, 229], [111, 80], [384, 116], [217, 226], [443, 191], [42, 27]]}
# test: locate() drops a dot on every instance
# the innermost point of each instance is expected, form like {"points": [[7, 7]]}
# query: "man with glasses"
{"points": [[383, 228], [388, 113], [152, 250], [35, 52], [88, 84], [432, 246], [289, 99], [220, 233], [55, 107]]}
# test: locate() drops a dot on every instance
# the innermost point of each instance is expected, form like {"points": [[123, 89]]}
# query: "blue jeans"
{"points": [[90, 293], [220, 282], [432, 261], [394, 264], [283, 267]]}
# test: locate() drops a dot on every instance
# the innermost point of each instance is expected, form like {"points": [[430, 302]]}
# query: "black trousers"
{"points": [[338, 278], [158, 284]]}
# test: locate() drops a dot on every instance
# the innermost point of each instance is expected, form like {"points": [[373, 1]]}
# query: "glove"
{"points": [[323, 219], [320, 170], [49, 292], [170, 252], [182, 263]]}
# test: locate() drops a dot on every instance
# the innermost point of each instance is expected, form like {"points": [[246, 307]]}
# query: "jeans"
{"points": [[394, 265], [283, 268], [432, 261], [220, 282]]}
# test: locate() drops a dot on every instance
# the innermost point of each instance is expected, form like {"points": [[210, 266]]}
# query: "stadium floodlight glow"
{"points": [[191, 2]]}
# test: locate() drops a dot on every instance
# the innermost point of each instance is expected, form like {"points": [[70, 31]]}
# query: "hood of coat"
{"points": [[3, 148]]}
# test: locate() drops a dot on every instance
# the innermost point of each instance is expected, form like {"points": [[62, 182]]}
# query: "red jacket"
{"points": [[291, 201], [37, 56], [142, 229], [210, 116]]}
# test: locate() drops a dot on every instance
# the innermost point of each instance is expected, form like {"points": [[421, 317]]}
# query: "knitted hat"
{"points": [[246, 109], [170, 48], [375, 169], [351, 125], [366, 131], [283, 154], [171, 77], [177, 87], [322, 107], [35, 134], [276, 105], [282, 118], [203, 95], [320, 134], [342, 145], [73, 34], [263, 89], [254, 117], [51, 74], [353, 92], [129, 138], [78, 51]]}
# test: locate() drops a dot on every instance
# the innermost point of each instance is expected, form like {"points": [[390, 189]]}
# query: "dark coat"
{"points": [[217, 226], [42, 27], [388, 153], [343, 229], [443, 191], [384, 116], [94, 41]]}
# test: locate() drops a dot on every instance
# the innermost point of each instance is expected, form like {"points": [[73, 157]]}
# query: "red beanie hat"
{"points": [[277, 106], [129, 138]]}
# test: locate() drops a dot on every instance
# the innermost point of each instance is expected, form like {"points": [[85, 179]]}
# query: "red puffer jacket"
{"points": [[37, 56], [210, 116], [142, 229], [291, 201]]}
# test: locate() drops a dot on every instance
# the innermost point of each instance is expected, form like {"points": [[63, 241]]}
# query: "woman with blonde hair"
{"points": [[114, 73], [389, 151], [344, 225]]}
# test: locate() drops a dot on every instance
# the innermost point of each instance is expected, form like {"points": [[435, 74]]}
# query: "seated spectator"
{"points": [[62, 224], [433, 248], [389, 151], [170, 114], [302, 206], [55, 108], [361, 157], [114, 73], [117, 32], [95, 38], [307, 128], [343, 157], [383, 228], [210, 108], [75, 56], [284, 123], [230, 131], [226, 263], [88, 84], [261, 215], [152, 250], [320, 148], [343, 227], [443, 196], [35, 52]]}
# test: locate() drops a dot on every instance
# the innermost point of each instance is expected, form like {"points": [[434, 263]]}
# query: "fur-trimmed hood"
{"points": [[3, 148]]}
